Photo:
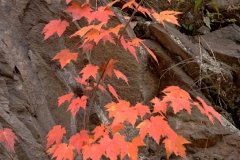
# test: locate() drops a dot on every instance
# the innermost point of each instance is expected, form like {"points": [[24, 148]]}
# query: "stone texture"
{"points": [[30, 84]]}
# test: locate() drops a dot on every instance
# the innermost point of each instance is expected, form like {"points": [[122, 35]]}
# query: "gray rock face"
{"points": [[30, 84]]}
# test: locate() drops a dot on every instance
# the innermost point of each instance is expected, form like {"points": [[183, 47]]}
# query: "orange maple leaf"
{"points": [[179, 99], [122, 112], [169, 16], [89, 70], [113, 91], [176, 145], [120, 75], [208, 111], [114, 147], [128, 46], [8, 137], [102, 14], [133, 147], [64, 152], [55, 135], [93, 151], [155, 127], [78, 11], [55, 26], [65, 56], [79, 140], [107, 69], [100, 131], [76, 104], [66, 97], [142, 109], [159, 106]]}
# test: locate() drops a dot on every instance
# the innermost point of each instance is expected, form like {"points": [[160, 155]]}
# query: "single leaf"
{"points": [[65, 56], [100, 131], [209, 111], [117, 128], [102, 14], [93, 151], [176, 145], [76, 104], [113, 91], [52, 149], [88, 71], [55, 135], [79, 140], [88, 46], [122, 112], [101, 87], [113, 147], [142, 109], [80, 81], [78, 11], [55, 26], [155, 127], [64, 152], [177, 92], [128, 46], [133, 147], [159, 106], [66, 97], [179, 99], [169, 16], [116, 29], [108, 69], [8, 137], [120, 75]]}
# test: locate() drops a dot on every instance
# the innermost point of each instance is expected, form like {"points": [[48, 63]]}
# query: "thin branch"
{"points": [[86, 116], [135, 11]]}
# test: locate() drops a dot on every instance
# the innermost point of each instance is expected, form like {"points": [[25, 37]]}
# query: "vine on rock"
{"points": [[106, 139]]}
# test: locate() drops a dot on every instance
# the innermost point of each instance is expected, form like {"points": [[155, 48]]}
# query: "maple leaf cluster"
{"points": [[110, 140], [8, 137]]}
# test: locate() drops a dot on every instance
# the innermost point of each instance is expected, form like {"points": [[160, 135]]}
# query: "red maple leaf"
{"points": [[76, 104], [122, 112], [120, 75], [208, 111], [65, 56], [128, 46], [142, 109], [114, 147], [78, 11], [93, 151], [107, 69], [113, 91], [100, 131], [155, 127], [117, 128], [169, 16], [179, 99], [89, 70], [176, 145], [55, 26], [66, 97], [133, 148], [159, 106], [88, 46], [79, 140], [55, 135], [80, 80], [102, 14], [8, 137], [64, 152]]}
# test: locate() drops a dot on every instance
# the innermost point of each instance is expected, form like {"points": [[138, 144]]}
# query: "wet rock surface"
{"points": [[30, 82]]}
